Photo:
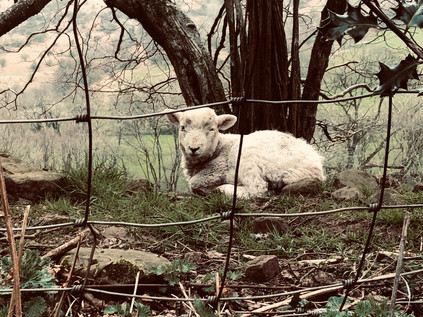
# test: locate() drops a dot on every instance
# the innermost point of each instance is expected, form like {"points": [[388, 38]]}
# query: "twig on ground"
{"points": [[288, 300], [216, 274], [22, 239], [67, 246], [66, 284], [137, 278], [399, 262], [191, 306]]}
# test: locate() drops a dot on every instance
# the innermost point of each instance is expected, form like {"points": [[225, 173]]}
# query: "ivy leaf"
{"points": [[411, 13], [392, 79], [353, 23]]}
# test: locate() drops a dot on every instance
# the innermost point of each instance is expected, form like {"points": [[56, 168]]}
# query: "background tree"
{"points": [[269, 71]]}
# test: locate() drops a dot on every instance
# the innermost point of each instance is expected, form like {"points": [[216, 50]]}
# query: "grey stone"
{"points": [[114, 266], [263, 268], [28, 182], [347, 193], [355, 179], [307, 186], [418, 188], [390, 197], [269, 224]]}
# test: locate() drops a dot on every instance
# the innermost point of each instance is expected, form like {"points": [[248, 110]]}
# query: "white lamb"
{"points": [[269, 159]]}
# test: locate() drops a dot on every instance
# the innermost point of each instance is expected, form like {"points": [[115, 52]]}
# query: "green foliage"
{"points": [[203, 310], [173, 272], [210, 277], [34, 272], [410, 13], [123, 310], [4, 311], [391, 79], [367, 308], [34, 307], [353, 23], [332, 308]]}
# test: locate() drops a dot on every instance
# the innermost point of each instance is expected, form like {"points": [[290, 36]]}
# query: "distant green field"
{"points": [[144, 158]]}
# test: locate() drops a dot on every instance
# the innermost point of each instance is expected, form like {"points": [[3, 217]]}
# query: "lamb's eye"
{"points": [[182, 128], [211, 129]]}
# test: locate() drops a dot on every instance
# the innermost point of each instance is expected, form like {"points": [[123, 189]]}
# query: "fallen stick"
{"points": [[15, 302], [189, 304], [288, 300], [66, 284], [22, 238], [399, 263], [64, 248]]}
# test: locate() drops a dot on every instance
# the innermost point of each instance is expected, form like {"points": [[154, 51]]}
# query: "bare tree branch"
{"points": [[20, 12], [346, 91]]}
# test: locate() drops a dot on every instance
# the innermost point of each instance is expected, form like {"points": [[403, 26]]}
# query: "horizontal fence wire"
{"points": [[230, 215], [85, 118], [220, 217], [234, 298], [216, 217]]}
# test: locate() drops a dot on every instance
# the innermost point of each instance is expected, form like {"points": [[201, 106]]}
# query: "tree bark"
{"points": [[295, 79], [319, 60], [178, 36], [266, 67], [20, 12]]}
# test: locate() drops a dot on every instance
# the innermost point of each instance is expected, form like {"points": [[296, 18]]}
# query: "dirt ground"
{"points": [[307, 272]]}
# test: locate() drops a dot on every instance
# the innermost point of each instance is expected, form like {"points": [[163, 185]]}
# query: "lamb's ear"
{"points": [[225, 121], [174, 117]]}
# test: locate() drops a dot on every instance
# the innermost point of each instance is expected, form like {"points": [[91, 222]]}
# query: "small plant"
{"points": [[231, 276], [173, 272], [202, 309], [34, 274], [124, 310], [365, 308]]}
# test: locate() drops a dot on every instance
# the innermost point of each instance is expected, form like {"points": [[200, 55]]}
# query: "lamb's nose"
{"points": [[194, 149]]}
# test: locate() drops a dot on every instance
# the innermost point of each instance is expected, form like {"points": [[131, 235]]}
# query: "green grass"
{"points": [[323, 237], [339, 233]]}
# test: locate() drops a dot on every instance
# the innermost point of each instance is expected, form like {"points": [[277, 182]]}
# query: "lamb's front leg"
{"points": [[229, 189], [205, 182], [251, 184]]}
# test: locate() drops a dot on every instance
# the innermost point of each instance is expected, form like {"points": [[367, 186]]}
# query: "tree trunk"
{"points": [[295, 79], [266, 67], [178, 36], [319, 60]]}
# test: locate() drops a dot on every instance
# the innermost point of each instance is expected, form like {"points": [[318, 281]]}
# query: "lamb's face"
{"points": [[199, 132]]}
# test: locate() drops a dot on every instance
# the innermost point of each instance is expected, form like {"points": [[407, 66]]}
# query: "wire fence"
{"points": [[230, 215], [85, 222]]}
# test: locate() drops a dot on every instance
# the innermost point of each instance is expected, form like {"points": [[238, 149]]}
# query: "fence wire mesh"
{"points": [[227, 216], [85, 222]]}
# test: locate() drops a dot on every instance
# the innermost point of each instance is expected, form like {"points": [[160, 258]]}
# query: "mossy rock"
{"points": [[114, 266]]}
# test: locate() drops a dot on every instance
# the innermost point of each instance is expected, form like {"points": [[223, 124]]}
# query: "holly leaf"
{"points": [[353, 23], [392, 79], [410, 12]]}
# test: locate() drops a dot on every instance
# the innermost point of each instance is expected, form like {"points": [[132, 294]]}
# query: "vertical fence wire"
{"points": [[374, 208], [90, 145]]}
